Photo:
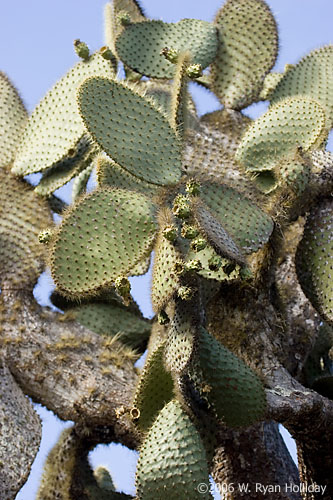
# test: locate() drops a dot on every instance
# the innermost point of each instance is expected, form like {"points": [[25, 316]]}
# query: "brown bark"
{"points": [[67, 368], [248, 463]]}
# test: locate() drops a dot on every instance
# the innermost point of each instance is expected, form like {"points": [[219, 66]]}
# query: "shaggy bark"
{"points": [[72, 371]]}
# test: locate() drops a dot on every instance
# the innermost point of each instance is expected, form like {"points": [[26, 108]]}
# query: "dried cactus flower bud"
{"points": [[198, 244], [179, 268], [181, 207], [170, 54], [215, 262], [193, 187], [45, 236], [82, 49], [123, 286], [170, 233], [193, 266], [189, 232], [185, 292], [106, 53], [163, 318], [194, 71], [124, 18]]}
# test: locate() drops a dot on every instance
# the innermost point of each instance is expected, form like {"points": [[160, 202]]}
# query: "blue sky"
{"points": [[36, 42]]}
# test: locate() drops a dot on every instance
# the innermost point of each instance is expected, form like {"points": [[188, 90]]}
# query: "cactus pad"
{"points": [[111, 174], [237, 75], [126, 125], [55, 126], [89, 253], [314, 259], [215, 233], [165, 280], [172, 460], [246, 223], [181, 340], [23, 215], [236, 392], [13, 117], [154, 391], [140, 44], [312, 76], [63, 171], [111, 319], [290, 123]]}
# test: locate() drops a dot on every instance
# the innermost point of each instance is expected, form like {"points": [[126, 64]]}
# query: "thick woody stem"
{"points": [[69, 369]]}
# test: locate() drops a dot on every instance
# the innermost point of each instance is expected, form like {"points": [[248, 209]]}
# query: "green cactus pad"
{"points": [[23, 216], [111, 319], [13, 117], [236, 392], [111, 174], [140, 268], [215, 233], [246, 223], [314, 259], [179, 98], [181, 340], [290, 123], [154, 390], [295, 173], [270, 83], [126, 125], [63, 171], [165, 281], [55, 127], [139, 45], [81, 181], [102, 237], [172, 460], [313, 77], [247, 51]]}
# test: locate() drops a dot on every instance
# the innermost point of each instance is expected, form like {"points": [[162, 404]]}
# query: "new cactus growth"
{"points": [[236, 217]]}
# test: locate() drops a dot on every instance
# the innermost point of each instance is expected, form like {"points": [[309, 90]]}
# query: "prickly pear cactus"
{"points": [[208, 199]]}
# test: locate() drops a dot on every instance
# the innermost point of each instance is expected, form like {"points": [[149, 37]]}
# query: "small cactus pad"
{"points": [[104, 235], [181, 340], [81, 181], [131, 130], [312, 76], [110, 174], [288, 124], [140, 44], [314, 259], [270, 83], [246, 223], [172, 460], [165, 280], [235, 391], [112, 319], [237, 75], [154, 390], [13, 117], [179, 99], [55, 126], [215, 233], [23, 215], [63, 171]]}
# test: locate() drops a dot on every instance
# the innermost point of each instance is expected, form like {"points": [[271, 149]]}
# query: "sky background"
{"points": [[36, 49]]}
